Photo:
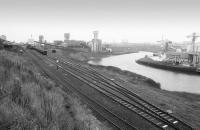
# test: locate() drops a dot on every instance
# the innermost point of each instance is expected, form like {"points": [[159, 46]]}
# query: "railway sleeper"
{"points": [[130, 107], [165, 126], [166, 117], [175, 122], [162, 115], [158, 113], [153, 109]]}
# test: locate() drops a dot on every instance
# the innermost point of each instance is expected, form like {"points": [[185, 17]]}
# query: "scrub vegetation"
{"points": [[31, 101]]}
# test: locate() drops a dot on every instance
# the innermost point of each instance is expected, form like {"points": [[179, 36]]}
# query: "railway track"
{"points": [[113, 90], [111, 117], [145, 109], [152, 108], [133, 107]]}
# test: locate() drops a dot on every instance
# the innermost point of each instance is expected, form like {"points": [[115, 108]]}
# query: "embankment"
{"points": [[134, 78], [30, 101]]}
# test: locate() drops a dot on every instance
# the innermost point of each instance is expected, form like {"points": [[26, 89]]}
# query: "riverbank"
{"points": [[87, 56], [133, 77], [30, 100], [185, 106], [117, 49]]}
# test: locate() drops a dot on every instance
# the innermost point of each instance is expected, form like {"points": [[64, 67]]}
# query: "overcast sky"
{"points": [[116, 20]]}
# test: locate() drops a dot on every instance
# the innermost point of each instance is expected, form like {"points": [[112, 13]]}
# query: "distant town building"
{"points": [[3, 37], [41, 38], [96, 44]]}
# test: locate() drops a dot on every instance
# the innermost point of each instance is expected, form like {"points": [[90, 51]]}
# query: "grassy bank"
{"points": [[133, 77], [81, 55], [31, 101]]}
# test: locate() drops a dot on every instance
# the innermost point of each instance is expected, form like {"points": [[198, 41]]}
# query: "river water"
{"points": [[169, 80]]}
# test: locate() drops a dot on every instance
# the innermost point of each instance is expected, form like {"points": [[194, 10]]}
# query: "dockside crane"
{"points": [[194, 37], [166, 45]]}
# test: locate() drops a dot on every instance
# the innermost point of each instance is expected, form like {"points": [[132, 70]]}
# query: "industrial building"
{"points": [[95, 44], [66, 39], [31, 41], [58, 42], [41, 38], [3, 37], [191, 56]]}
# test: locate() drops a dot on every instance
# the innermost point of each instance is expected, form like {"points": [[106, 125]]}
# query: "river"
{"points": [[169, 80]]}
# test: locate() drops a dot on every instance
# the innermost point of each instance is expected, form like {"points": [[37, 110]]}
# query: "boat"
{"points": [[168, 65], [174, 58]]}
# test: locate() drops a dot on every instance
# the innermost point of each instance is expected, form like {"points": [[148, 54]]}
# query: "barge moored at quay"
{"points": [[184, 59], [169, 66]]}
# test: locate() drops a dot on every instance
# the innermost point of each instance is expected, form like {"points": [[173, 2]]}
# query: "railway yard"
{"points": [[110, 99]]}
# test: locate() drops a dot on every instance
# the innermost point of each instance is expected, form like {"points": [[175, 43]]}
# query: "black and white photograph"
{"points": [[99, 65]]}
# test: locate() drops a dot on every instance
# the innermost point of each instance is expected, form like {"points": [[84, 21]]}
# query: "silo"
{"points": [[96, 43], [41, 38], [66, 36]]}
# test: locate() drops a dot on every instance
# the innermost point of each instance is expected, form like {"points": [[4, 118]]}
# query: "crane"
{"points": [[166, 45], [194, 37]]}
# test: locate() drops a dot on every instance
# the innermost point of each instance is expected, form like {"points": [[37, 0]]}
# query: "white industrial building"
{"points": [[95, 44]]}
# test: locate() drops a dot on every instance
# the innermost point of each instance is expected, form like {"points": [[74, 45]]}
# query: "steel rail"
{"points": [[100, 106], [138, 104], [169, 119], [95, 101], [136, 109]]}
